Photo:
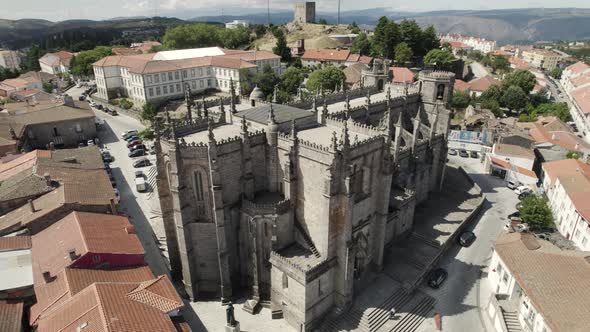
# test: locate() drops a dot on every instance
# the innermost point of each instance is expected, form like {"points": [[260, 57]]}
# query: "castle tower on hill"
{"points": [[304, 12]]}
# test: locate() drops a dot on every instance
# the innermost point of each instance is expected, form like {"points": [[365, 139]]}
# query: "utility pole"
{"points": [[338, 21], [268, 12]]}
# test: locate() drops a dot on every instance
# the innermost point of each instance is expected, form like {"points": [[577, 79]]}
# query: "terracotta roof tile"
{"points": [[507, 166], [326, 55], [513, 150], [402, 75], [553, 169], [9, 243], [556, 281], [578, 68], [11, 313], [582, 98]]}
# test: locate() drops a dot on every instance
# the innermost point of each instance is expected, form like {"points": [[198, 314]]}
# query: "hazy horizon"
{"points": [[59, 10]]}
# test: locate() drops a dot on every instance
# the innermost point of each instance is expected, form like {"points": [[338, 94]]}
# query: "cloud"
{"points": [[137, 6]]}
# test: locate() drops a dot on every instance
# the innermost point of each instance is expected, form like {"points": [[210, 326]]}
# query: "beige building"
{"points": [[9, 59], [165, 75], [541, 58], [537, 287], [304, 12], [56, 63], [296, 204]]}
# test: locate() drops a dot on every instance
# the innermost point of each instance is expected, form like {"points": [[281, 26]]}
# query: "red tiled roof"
{"points": [[11, 313], [85, 233], [565, 139], [518, 63], [513, 150], [553, 169], [580, 80], [507, 166], [461, 85], [582, 98], [107, 307], [9, 243], [483, 83], [402, 75], [580, 201], [21, 163], [326, 55], [577, 68], [158, 293]]}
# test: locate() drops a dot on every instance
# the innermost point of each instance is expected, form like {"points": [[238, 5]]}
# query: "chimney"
{"points": [[113, 207], [31, 205], [47, 178], [46, 276], [72, 254], [130, 229]]}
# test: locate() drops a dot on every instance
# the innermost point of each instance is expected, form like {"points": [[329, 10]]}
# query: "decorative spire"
{"points": [[293, 130], [368, 98], [210, 129], [167, 114], [173, 131], [325, 108], [400, 120], [244, 125], [271, 115], [346, 137], [314, 104], [232, 100], [274, 94], [334, 144], [343, 84], [388, 92], [221, 108], [347, 102], [189, 102]]}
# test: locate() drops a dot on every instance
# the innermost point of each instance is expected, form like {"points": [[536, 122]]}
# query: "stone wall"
{"points": [[204, 255]]}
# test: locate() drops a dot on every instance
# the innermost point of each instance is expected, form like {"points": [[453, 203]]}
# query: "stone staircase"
{"points": [[425, 240], [307, 239], [411, 321], [369, 320], [511, 321]]}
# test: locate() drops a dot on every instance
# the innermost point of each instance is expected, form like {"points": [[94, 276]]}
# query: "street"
{"points": [[478, 70], [458, 300]]}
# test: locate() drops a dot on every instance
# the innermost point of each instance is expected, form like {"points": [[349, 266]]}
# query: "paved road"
{"points": [[458, 300], [479, 70]]}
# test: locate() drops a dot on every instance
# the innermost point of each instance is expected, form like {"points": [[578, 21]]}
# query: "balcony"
{"points": [[267, 203]]}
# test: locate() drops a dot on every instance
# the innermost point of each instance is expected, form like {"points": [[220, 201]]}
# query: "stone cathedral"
{"points": [[294, 204]]}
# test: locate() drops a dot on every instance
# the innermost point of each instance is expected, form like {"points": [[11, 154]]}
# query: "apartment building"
{"points": [[166, 75], [9, 59], [477, 44], [541, 58], [567, 184], [536, 287]]}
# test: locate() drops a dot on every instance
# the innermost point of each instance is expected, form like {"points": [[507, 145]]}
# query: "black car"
{"points": [[514, 215], [137, 147], [463, 154], [136, 153], [437, 277], [141, 163], [107, 157], [100, 107], [82, 98], [473, 154], [466, 238], [524, 195]]}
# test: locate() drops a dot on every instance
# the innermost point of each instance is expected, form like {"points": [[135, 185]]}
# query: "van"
{"points": [[140, 184]]}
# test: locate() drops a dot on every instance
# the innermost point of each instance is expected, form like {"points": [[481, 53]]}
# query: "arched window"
{"points": [[285, 281], [440, 91], [200, 193]]}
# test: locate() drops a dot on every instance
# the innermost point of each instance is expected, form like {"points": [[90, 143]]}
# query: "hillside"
{"points": [[315, 35]]}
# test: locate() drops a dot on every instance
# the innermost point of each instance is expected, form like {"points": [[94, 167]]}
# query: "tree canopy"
{"points": [[205, 35], [31, 60], [327, 78], [514, 98], [291, 79], [536, 213], [361, 44], [440, 59], [521, 78], [403, 53], [555, 73], [149, 112], [266, 80], [281, 47], [461, 99], [82, 63]]}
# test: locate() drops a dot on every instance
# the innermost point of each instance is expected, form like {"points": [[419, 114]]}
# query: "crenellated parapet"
{"points": [[354, 127], [313, 146], [277, 208], [436, 74], [302, 273]]}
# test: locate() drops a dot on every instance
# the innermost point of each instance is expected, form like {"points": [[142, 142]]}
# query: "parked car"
{"points": [[466, 238], [473, 154], [131, 138], [141, 163], [107, 157], [113, 112], [90, 142], [525, 195], [130, 132], [514, 215], [512, 184], [140, 184], [139, 174], [133, 143], [522, 189], [452, 152], [463, 154], [437, 277], [82, 98], [100, 107], [136, 153], [138, 147]]}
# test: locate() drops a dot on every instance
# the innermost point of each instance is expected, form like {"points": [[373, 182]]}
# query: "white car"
{"points": [[522, 189], [128, 133], [512, 184]]}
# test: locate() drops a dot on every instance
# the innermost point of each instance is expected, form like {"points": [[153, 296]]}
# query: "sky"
{"points": [[56, 10]]}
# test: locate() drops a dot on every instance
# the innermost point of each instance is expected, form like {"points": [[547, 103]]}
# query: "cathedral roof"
{"points": [[283, 113]]}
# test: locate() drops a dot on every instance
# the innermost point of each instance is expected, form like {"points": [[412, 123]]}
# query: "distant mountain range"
{"points": [[507, 25]]}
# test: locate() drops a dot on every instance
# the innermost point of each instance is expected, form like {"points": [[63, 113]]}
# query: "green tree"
{"points": [[326, 78], [149, 112], [536, 213], [266, 80], [47, 87], [446, 46], [157, 48], [82, 63], [233, 38], [246, 81], [429, 41], [31, 61], [521, 78], [559, 110], [191, 36], [514, 98], [125, 103], [281, 47], [291, 79], [323, 21], [354, 28], [411, 34], [461, 99], [500, 64], [492, 105], [147, 134], [403, 53], [555, 73], [361, 44], [385, 37], [492, 93], [439, 59], [475, 55], [259, 30], [573, 155]]}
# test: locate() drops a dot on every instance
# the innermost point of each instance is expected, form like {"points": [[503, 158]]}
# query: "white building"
{"points": [[536, 287], [575, 81], [9, 59], [236, 23], [567, 184], [56, 63], [512, 163], [478, 44], [541, 58], [165, 75]]}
